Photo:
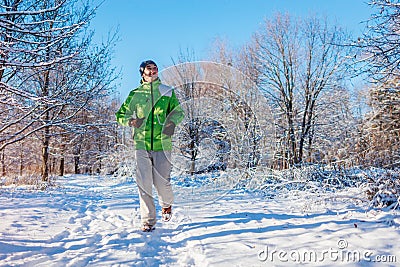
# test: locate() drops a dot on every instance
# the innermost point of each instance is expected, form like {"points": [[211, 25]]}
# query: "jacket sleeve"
{"points": [[176, 113], [125, 112]]}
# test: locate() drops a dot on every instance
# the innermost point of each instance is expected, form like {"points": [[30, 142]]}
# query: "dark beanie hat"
{"points": [[144, 64]]}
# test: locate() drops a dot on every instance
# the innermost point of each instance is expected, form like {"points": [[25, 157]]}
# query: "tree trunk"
{"points": [[45, 156], [76, 164], [3, 163], [192, 167], [21, 161], [46, 134], [62, 160]]}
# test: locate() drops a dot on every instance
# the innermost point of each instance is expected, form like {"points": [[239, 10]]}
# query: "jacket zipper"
{"points": [[152, 115]]}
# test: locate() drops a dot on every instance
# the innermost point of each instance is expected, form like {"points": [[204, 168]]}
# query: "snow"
{"points": [[94, 221]]}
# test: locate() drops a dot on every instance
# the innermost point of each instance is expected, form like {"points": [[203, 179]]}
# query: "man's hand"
{"points": [[169, 128], [135, 122]]}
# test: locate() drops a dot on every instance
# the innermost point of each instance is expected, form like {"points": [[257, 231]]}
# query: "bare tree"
{"points": [[221, 127], [382, 126], [22, 23], [337, 133], [297, 61], [381, 41], [64, 74], [380, 61]]}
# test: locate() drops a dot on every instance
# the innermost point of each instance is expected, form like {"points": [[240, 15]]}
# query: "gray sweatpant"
{"points": [[153, 168]]}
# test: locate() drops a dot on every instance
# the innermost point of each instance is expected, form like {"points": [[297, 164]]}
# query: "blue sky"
{"points": [[160, 29]]}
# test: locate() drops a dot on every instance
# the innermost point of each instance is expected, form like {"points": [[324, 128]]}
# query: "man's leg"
{"points": [[162, 180], [144, 181]]}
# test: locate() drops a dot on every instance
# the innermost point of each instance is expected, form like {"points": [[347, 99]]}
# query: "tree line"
{"points": [[57, 89]]}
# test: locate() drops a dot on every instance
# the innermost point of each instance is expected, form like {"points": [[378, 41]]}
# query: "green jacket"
{"points": [[157, 104]]}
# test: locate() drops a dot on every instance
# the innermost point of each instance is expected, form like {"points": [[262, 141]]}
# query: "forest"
{"points": [[282, 103]]}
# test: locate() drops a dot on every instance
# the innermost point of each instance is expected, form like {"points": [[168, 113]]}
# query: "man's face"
{"points": [[150, 73]]}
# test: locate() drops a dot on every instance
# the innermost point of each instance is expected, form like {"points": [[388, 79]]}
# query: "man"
{"points": [[153, 110]]}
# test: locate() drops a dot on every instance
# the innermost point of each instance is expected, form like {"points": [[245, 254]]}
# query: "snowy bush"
{"points": [[119, 163], [31, 181], [383, 188], [306, 177]]}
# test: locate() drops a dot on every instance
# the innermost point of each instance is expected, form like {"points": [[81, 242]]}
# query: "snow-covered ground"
{"points": [[94, 221]]}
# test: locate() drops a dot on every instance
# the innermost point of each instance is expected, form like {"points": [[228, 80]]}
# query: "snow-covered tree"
{"points": [[382, 128], [381, 41], [296, 62], [380, 61], [21, 23], [54, 73], [222, 126]]}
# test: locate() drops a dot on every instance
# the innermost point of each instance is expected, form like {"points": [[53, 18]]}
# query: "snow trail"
{"points": [[94, 221]]}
